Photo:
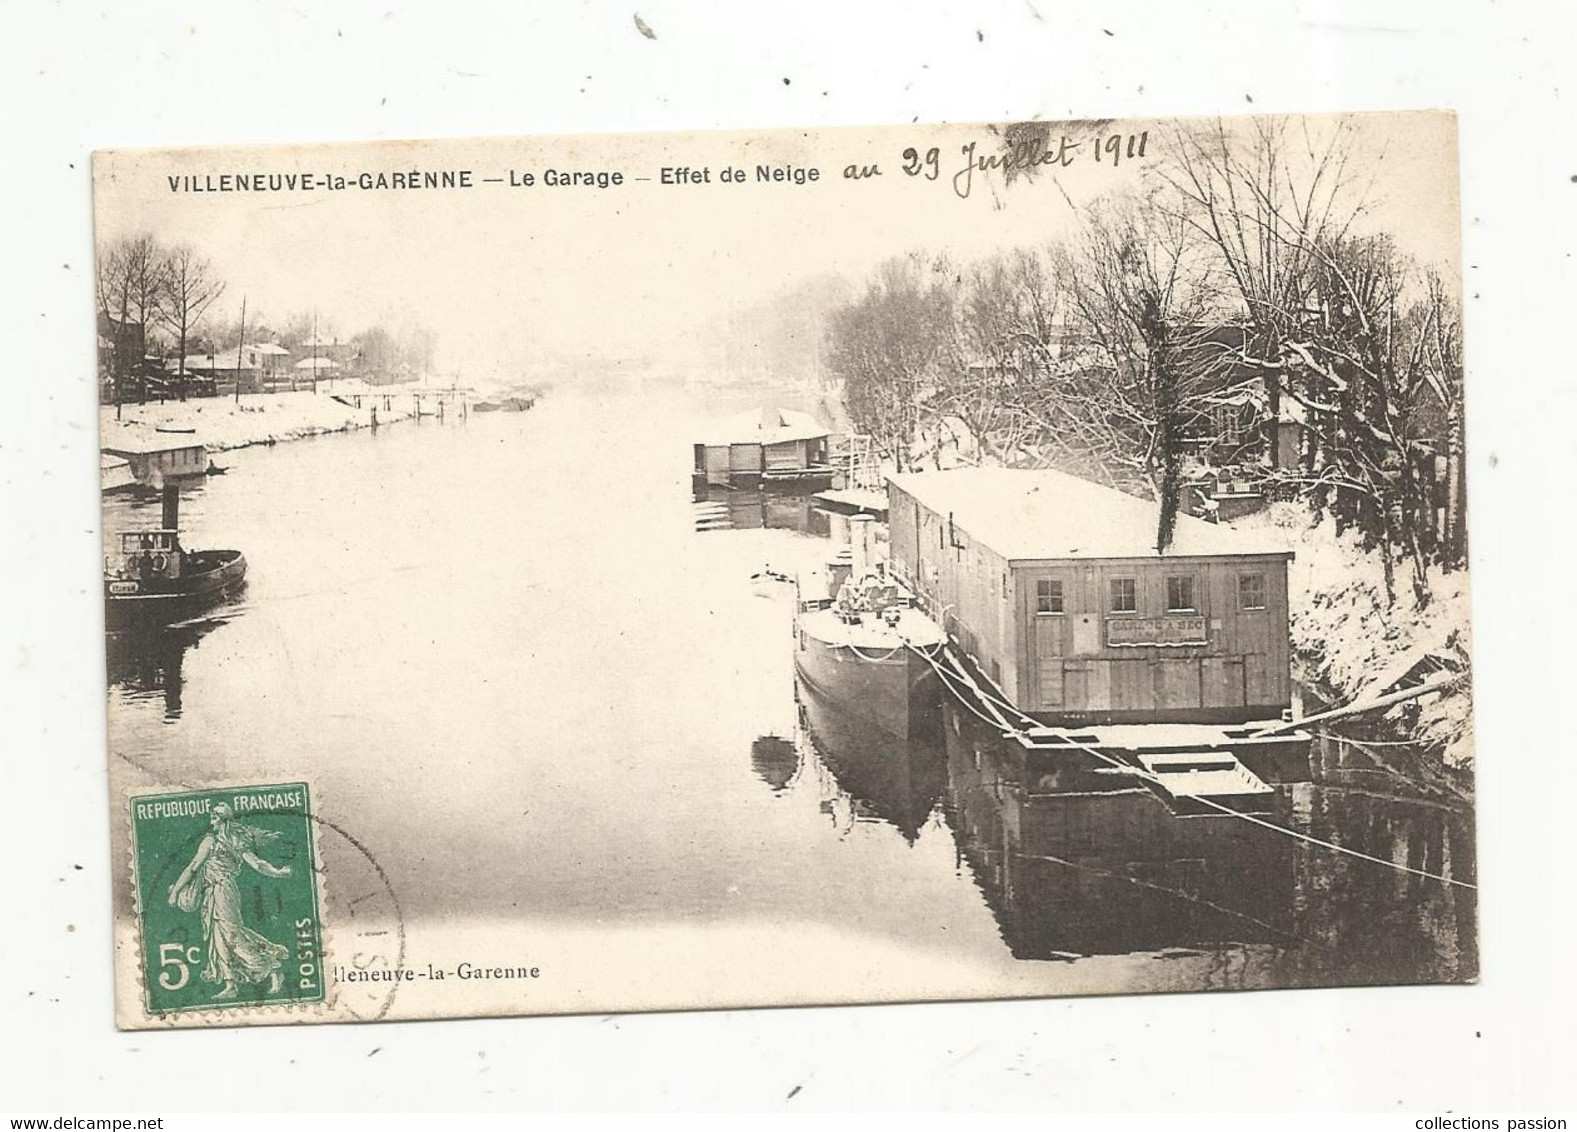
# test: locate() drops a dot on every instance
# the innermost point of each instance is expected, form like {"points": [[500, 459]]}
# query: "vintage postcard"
{"points": [[708, 570]]}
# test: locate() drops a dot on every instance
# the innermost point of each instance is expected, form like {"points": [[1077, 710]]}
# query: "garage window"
{"points": [[1048, 595], [1180, 594]]}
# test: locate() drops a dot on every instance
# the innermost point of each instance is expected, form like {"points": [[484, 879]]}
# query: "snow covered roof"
{"points": [[1046, 514], [136, 440], [268, 348], [763, 426], [317, 363]]}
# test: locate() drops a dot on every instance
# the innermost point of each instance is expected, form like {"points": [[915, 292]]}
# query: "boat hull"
{"points": [[899, 780], [131, 603], [898, 691]]}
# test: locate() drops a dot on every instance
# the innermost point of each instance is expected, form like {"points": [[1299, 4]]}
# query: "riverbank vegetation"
{"points": [[1232, 331]]}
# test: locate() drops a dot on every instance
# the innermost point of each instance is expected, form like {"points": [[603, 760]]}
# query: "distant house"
{"points": [[223, 366], [315, 368], [120, 343], [272, 362], [334, 351], [1054, 587], [123, 360], [770, 447]]}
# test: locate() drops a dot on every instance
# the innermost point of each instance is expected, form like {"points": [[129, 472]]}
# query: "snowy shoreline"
{"points": [[222, 424], [1348, 642]]}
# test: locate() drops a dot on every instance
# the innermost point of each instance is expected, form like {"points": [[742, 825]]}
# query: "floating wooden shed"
{"points": [[155, 457], [768, 447], [1053, 586]]}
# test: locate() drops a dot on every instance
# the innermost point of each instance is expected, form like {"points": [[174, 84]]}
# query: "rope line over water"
{"points": [[949, 678]]}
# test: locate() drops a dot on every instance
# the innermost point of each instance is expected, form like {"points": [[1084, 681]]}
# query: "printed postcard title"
{"points": [[956, 169]]}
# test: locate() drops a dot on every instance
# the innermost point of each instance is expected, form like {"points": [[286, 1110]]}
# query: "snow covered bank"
{"points": [[1350, 643], [221, 423]]}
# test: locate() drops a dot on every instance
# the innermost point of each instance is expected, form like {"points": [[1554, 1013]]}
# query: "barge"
{"points": [[868, 648]]}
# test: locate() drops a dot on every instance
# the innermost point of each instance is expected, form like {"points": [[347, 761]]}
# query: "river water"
{"points": [[544, 714]]}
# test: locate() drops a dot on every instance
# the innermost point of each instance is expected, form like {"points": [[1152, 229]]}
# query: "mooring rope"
{"points": [[1142, 773], [1179, 893]]}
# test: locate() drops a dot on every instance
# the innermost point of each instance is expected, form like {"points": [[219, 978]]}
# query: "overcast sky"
{"points": [[503, 274]]}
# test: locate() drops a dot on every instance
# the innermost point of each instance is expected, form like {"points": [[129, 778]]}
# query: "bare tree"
{"points": [[111, 286], [1382, 367], [1266, 193], [1444, 374], [1004, 317], [1142, 293], [129, 285], [190, 288], [1334, 322], [885, 348]]}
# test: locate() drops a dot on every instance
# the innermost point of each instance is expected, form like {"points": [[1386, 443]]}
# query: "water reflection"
{"points": [[721, 509], [775, 761], [1076, 860], [446, 612], [148, 663], [888, 779]]}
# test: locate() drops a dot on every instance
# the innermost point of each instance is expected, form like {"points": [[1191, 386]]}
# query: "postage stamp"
{"points": [[227, 898]]}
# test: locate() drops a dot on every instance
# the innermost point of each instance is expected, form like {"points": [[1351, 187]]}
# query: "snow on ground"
{"points": [[223, 423], [1346, 637]]}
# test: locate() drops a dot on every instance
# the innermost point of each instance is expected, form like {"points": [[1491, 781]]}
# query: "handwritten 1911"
{"points": [[1112, 149]]}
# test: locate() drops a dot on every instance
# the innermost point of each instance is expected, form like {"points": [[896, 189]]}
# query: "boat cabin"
{"points": [[768, 447], [1053, 587], [150, 554]]}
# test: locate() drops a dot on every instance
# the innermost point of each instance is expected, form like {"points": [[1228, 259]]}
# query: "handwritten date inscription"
{"points": [[1020, 158]]}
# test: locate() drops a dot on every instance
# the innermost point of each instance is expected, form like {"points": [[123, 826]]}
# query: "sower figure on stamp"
{"points": [[236, 953]]}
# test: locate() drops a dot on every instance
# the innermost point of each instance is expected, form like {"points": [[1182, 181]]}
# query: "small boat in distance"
{"points": [[513, 403], [158, 581], [766, 581]]}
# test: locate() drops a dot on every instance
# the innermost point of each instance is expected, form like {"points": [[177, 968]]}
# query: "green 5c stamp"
{"points": [[227, 898]]}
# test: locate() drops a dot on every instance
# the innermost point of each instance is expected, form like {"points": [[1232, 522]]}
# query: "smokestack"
{"points": [[172, 507], [860, 543]]}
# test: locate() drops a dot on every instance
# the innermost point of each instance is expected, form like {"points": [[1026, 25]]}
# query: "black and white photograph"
{"points": [[1023, 559], [865, 560]]}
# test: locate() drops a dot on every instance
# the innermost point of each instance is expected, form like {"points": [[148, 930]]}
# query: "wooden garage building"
{"points": [[1053, 587]]}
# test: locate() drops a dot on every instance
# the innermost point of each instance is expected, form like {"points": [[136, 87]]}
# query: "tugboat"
{"points": [[158, 581], [868, 649]]}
